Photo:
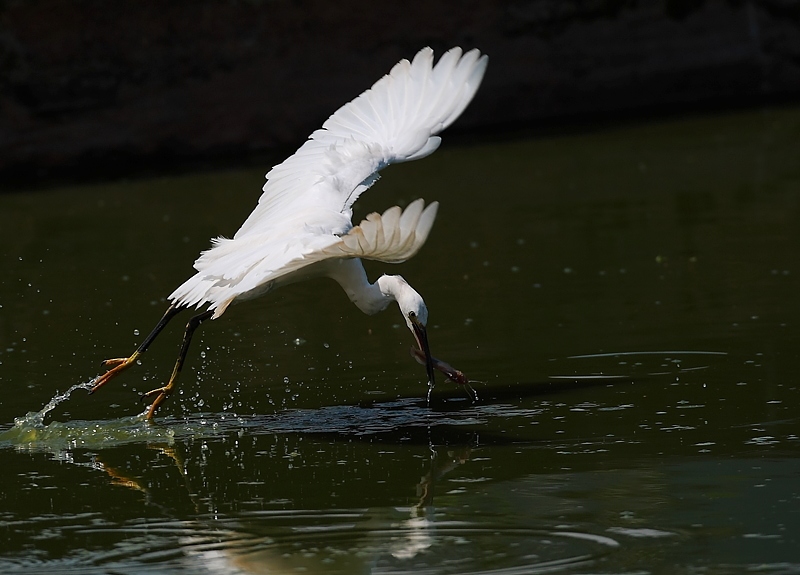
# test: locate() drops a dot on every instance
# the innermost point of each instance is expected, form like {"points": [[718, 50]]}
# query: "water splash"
{"points": [[30, 433], [37, 418]]}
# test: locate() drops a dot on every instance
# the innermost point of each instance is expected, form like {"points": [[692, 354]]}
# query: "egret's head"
{"points": [[411, 305], [408, 300], [415, 312], [416, 316]]}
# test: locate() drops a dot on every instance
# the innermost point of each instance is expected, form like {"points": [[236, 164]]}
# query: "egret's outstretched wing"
{"points": [[394, 121], [305, 212]]}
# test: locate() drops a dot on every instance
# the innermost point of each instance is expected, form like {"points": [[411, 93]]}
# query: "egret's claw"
{"points": [[160, 393], [117, 365]]}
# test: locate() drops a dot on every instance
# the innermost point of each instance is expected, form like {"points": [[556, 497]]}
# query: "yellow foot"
{"points": [[160, 394], [116, 366]]}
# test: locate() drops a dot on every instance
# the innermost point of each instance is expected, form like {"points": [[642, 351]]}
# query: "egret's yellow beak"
{"points": [[421, 335]]}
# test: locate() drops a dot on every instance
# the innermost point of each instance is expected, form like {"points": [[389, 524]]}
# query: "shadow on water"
{"points": [[448, 415], [445, 416], [409, 418]]}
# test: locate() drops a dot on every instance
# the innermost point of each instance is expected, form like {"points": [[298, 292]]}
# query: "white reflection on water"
{"points": [[624, 353]]}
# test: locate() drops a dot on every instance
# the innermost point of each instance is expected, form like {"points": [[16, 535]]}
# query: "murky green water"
{"points": [[627, 300]]}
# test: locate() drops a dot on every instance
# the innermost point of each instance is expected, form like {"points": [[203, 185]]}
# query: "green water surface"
{"points": [[624, 300]]}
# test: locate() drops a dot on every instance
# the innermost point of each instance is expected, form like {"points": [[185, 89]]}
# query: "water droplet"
{"points": [[136, 332], [299, 341]]}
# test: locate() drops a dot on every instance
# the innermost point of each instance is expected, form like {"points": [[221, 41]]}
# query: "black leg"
{"points": [[171, 312], [118, 365], [162, 393]]}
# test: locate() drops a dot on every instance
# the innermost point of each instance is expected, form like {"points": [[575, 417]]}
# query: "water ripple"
{"points": [[381, 540]]}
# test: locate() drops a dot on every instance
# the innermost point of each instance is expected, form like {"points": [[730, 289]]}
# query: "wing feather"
{"points": [[396, 120], [304, 212], [391, 237]]}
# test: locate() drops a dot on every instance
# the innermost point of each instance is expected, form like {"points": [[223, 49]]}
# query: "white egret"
{"points": [[301, 227]]}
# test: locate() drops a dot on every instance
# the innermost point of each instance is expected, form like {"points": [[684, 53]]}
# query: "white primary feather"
{"points": [[392, 237], [303, 215]]}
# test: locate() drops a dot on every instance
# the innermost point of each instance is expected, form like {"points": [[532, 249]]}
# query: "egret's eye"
{"points": [[411, 315]]}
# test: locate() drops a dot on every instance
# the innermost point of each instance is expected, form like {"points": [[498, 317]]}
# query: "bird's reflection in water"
{"points": [[443, 461], [243, 545], [417, 529], [134, 480]]}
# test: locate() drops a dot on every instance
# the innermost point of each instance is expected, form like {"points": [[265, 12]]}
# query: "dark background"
{"points": [[99, 88]]}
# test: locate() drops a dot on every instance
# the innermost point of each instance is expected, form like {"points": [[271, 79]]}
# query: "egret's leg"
{"points": [[162, 393], [120, 364]]}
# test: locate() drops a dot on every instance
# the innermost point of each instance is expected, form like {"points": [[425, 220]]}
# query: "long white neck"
{"points": [[369, 298]]}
